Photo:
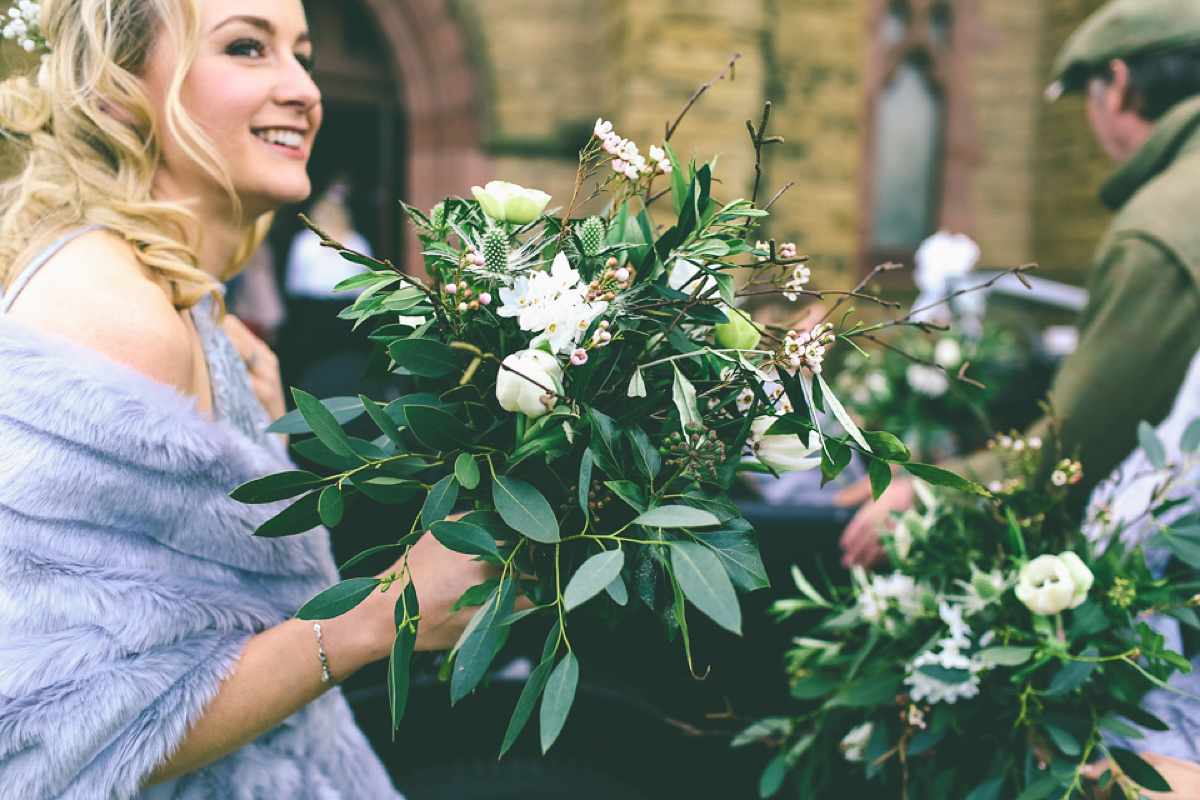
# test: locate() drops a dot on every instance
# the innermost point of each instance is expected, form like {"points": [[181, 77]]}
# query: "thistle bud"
{"points": [[591, 236], [495, 249]]}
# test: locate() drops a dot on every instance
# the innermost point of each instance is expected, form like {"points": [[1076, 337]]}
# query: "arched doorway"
{"points": [[402, 113]]}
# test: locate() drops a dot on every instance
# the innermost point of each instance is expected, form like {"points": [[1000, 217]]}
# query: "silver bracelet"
{"points": [[325, 676]]}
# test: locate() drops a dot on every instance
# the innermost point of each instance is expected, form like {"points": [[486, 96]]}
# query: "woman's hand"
{"points": [[261, 363], [1183, 776], [860, 539], [440, 576]]}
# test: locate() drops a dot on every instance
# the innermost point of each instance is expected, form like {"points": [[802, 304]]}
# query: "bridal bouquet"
{"points": [[997, 650], [584, 392], [937, 400]]}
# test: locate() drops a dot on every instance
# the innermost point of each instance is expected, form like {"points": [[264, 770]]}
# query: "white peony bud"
{"points": [[519, 392], [508, 202], [1049, 584]]}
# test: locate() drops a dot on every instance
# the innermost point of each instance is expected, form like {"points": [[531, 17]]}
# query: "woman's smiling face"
{"points": [[250, 91]]}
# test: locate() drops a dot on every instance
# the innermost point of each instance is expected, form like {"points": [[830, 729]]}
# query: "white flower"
{"points": [[947, 353], [854, 743], [929, 381], [682, 274], [784, 452], [1049, 584], [603, 128], [508, 202], [522, 392], [982, 590], [877, 384], [553, 304]]}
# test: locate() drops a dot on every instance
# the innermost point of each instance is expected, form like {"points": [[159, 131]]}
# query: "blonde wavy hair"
{"points": [[89, 145]]}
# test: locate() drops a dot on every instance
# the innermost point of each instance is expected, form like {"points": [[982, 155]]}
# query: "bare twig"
{"points": [[1018, 271], [855, 292], [696, 96], [759, 138], [779, 194]]}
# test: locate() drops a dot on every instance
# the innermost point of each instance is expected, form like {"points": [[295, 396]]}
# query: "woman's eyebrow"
{"points": [[261, 23]]}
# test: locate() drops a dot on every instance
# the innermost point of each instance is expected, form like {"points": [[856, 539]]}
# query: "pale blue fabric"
{"points": [[130, 582]]}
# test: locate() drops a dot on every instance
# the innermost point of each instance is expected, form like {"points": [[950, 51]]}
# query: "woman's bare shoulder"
{"points": [[95, 292]]}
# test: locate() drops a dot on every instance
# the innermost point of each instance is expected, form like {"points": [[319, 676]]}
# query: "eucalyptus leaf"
{"points": [[1139, 770], [1006, 656], [338, 599], [839, 412], [300, 516], [557, 699], [525, 509], [534, 686], [684, 396], [592, 577], [630, 492], [438, 429], [1067, 744], [944, 477], [466, 470], [1074, 673], [646, 458], [479, 644], [380, 417], [1190, 441], [584, 485], [344, 409], [676, 516], [705, 583], [399, 672], [606, 442], [323, 424], [772, 777], [988, 790], [440, 501], [618, 591], [331, 505], [424, 357], [280, 486], [463, 537]]}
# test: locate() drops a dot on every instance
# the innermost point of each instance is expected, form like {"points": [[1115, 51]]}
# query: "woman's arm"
{"points": [[279, 672]]}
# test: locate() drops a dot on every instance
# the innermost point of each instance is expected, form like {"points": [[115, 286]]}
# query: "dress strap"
{"points": [[23, 278]]}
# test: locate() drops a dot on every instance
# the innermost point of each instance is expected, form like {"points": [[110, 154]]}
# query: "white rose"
{"points": [[1049, 584], [508, 202], [854, 743], [929, 381], [947, 353], [784, 452], [521, 392]]}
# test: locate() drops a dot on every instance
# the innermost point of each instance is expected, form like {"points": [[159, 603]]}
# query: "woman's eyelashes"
{"points": [[255, 48]]}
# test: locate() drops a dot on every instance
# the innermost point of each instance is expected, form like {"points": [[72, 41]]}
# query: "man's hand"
{"points": [[860, 539], [1183, 776]]}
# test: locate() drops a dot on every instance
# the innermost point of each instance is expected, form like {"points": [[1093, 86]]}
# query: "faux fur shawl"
{"points": [[129, 585]]}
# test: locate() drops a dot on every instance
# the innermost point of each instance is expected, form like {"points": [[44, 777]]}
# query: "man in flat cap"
{"points": [[1138, 64]]}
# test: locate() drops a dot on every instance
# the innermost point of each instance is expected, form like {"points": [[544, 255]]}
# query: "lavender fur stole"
{"points": [[130, 583]]}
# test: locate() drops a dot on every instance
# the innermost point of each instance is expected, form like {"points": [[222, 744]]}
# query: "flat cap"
{"points": [[1120, 29]]}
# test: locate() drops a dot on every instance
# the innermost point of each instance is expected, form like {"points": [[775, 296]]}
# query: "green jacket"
{"points": [[1141, 326]]}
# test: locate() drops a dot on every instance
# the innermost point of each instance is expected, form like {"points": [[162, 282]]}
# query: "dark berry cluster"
{"points": [[697, 450]]}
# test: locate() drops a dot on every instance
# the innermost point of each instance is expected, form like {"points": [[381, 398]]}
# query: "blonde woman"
{"points": [[147, 645]]}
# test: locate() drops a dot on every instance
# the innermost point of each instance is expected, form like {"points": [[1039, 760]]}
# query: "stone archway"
{"points": [[441, 102]]}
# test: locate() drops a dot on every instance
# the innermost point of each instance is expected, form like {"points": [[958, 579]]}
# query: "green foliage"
{"points": [[943, 678], [600, 486]]}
